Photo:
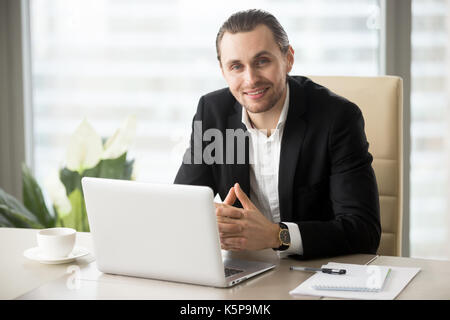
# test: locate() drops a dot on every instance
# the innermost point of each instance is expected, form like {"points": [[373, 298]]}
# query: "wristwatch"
{"points": [[284, 237]]}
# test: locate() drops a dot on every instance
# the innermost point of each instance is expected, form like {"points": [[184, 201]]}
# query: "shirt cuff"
{"points": [[296, 246]]}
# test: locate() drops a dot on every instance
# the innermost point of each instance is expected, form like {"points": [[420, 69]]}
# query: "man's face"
{"points": [[255, 68]]}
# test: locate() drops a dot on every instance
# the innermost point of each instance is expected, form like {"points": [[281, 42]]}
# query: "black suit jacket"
{"points": [[326, 181]]}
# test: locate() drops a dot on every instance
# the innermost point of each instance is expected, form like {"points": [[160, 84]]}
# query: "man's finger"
{"points": [[222, 205], [231, 228], [224, 235], [230, 212], [228, 220], [231, 197], [228, 248], [245, 201], [236, 242]]}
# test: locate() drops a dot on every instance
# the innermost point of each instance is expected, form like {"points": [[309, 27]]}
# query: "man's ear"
{"points": [[290, 59], [291, 50], [221, 69]]}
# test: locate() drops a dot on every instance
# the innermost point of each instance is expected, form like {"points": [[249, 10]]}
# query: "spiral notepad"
{"points": [[357, 278], [396, 279]]}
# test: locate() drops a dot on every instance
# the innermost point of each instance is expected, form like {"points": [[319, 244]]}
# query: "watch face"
{"points": [[284, 236]]}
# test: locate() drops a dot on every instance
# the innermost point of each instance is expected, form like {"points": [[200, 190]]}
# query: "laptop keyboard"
{"points": [[231, 271]]}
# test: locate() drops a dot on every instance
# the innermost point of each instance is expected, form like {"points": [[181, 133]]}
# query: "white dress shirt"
{"points": [[264, 156]]}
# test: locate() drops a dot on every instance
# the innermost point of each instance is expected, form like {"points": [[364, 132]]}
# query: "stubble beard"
{"points": [[276, 97]]}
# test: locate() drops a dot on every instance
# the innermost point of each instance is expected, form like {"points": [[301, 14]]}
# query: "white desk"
{"points": [[18, 275], [24, 279]]}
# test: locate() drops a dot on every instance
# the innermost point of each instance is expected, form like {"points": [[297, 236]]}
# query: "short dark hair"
{"points": [[248, 20]]}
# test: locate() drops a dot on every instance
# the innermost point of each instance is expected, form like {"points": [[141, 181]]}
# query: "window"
{"points": [[106, 59], [430, 135]]}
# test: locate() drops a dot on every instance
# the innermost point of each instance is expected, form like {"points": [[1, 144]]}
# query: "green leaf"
{"points": [[127, 170], [92, 172], [15, 212], [113, 168], [17, 219], [70, 179], [5, 223], [70, 220], [34, 200], [58, 222], [77, 218]]}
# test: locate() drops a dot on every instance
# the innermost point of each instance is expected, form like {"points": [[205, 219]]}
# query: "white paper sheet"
{"points": [[397, 280]]}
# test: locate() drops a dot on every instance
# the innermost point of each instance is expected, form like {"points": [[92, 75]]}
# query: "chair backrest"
{"points": [[381, 102]]}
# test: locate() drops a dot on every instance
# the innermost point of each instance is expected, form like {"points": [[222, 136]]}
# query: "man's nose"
{"points": [[251, 76]]}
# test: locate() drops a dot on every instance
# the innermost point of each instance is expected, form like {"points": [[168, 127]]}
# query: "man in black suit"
{"points": [[302, 181]]}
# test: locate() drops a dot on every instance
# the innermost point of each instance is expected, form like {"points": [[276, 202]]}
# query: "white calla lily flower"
{"points": [[85, 148], [121, 140], [57, 193]]}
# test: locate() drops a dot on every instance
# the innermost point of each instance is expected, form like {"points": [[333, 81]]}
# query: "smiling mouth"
{"points": [[256, 93]]}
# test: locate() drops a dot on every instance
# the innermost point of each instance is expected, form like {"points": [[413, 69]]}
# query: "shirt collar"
{"points": [[281, 119]]}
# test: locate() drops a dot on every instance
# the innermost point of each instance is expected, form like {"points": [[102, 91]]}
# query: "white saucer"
{"points": [[36, 255]]}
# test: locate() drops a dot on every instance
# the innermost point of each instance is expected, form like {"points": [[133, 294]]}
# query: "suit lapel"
{"points": [[291, 144], [239, 172]]}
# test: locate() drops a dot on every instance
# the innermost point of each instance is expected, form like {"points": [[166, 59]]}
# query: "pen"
{"points": [[324, 270]]}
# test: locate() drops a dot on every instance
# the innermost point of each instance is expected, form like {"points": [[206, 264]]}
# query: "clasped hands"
{"points": [[244, 228]]}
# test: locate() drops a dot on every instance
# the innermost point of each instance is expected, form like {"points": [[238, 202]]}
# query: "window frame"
{"points": [[395, 59], [16, 115]]}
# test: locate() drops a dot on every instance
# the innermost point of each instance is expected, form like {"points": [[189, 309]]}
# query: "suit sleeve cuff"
{"points": [[296, 246]]}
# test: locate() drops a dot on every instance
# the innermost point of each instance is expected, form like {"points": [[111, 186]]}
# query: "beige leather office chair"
{"points": [[381, 102]]}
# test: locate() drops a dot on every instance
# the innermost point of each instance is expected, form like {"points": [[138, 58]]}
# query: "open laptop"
{"points": [[160, 231]]}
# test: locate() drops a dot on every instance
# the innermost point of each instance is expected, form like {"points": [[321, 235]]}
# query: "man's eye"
{"points": [[235, 67], [261, 62]]}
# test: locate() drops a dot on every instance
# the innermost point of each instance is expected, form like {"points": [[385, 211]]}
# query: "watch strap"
{"points": [[284, 245]]}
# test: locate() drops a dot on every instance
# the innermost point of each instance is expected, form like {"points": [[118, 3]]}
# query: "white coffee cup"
{"points": [[56, 242]]}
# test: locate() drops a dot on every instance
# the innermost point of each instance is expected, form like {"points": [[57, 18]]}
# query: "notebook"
{"points": [[360, 282], [357, 278]]}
